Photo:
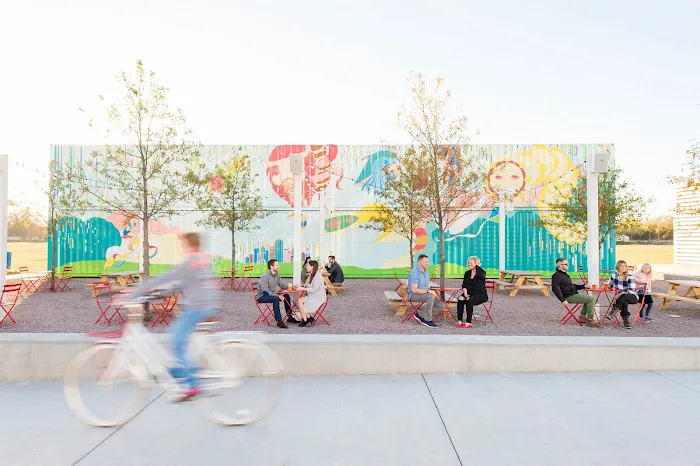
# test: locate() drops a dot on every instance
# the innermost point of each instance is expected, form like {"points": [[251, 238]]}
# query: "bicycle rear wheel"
{"points": [[242, 382], [100, 387]]}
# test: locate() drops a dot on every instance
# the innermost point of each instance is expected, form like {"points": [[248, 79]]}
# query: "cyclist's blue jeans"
{"points": [[181, 330]]}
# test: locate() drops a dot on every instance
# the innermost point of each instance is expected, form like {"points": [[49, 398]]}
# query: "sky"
{"points": [[281, 72]]}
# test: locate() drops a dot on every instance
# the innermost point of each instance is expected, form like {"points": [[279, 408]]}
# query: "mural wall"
{"points": [[348, 177]]}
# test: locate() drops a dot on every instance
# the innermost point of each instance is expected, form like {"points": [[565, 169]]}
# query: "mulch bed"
{"points": [[360, 309]]}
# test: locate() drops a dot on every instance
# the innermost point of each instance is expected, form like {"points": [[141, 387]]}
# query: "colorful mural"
{"points": [[528, 176]]}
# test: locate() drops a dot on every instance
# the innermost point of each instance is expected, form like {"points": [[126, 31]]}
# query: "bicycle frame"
{"points": [[144, 356]]}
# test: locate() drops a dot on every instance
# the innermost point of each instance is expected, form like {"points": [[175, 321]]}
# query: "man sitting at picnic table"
{"points": [[419, 291], [268, 291], [335, 272], [567, 292]]}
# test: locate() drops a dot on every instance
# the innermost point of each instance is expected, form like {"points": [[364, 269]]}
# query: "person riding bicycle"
{"points": [[195, 280]]}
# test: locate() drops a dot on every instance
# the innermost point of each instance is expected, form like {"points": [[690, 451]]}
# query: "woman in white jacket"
{"points": [[315, 295]]}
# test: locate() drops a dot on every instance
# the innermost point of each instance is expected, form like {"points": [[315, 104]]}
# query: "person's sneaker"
{"points": [[189, 394], [611, 315], [626, 322], [292, 320], [429, 323], [418, 318], [583, 319], [310, 320], [459, 324], [281, 324], [648, 319], [303, 323], [593, 323], [466, 325]]}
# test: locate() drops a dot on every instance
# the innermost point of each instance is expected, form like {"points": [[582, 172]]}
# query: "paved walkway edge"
{"points": [[45, 356]]}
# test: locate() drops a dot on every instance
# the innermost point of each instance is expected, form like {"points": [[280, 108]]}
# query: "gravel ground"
{"points": [[360, 309]]}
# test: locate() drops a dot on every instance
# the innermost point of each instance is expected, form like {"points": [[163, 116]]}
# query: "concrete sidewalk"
{"points": [[635, 418]]}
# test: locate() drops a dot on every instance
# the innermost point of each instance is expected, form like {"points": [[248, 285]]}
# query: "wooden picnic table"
{"points": [[518, 280], [333, 289], [123, 278], [691, 294]]}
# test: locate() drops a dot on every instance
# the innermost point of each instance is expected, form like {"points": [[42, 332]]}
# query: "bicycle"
{"points": [[225, 367]]}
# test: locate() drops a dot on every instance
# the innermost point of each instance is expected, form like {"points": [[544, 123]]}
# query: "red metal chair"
{"points": [[164, 309], [640, 288], [30, 284], [490, 285], [319, 314], [265, 309], [571, 311], [105, 305], [245, 281], [64, 279], [411, 307], [226, 279], [8, 300], [398, 281]]}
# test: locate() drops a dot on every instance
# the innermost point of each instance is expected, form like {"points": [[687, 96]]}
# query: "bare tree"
{"points": [[228, 195], [454, 177], [144, 178]]}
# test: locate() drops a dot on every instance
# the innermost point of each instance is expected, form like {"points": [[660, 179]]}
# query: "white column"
{"points": [[592, 249], [4, 181], [322, 227], [296, 260], [502, 234]]}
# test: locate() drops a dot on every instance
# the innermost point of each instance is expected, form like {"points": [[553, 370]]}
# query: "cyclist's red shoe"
{"points": [[189, 394]]}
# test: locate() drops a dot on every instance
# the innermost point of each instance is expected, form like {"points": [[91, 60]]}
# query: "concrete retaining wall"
{"points": [[45, 356]]}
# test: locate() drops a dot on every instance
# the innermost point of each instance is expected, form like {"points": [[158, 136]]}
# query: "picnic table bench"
{"points": [[396, 302], [517, 280], [333, 288], [691, 294]]}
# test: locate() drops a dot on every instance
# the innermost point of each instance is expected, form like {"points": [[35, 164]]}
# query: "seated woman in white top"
{"points": [[315, 295]]}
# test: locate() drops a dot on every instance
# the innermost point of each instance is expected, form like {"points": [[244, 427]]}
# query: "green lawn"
{"points": [[34, 255]]}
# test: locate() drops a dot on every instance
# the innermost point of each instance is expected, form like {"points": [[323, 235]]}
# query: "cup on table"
{"points": [[593, 287], [289, 287]]}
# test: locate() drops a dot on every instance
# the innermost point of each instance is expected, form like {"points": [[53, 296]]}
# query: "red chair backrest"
{"points": [[67, 271], [248, 270], [14, 288], [9, 290], [99, 286]]}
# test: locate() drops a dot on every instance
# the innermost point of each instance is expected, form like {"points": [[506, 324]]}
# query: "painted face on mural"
{"points": [[507, 176]]}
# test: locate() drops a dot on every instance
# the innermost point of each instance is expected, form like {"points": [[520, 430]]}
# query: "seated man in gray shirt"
{"points": [[268, 291]]}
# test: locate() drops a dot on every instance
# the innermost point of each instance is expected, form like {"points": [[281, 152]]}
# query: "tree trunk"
{"points": [[442, 258], [53, 258], [410, 251], [146, 251], [233, 246]]}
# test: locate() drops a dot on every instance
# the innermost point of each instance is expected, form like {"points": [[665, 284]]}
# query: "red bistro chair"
{"points": [[8, 300], [105, 303], [265, 309]]}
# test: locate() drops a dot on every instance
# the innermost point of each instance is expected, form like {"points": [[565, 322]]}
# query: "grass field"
{"points": [[636, 254], [34, 255]]}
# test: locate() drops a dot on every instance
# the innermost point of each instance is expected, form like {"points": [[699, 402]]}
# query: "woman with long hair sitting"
{"points": [[315, 295]]}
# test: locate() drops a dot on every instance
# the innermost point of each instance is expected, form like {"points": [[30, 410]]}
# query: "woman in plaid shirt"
{"points": [[624, 284]]}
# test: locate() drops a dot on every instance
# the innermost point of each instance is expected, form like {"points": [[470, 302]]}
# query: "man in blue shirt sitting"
{"points": [[419, 291]]}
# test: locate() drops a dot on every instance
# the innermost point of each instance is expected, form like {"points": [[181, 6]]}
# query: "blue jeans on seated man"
{"points": [[275, 301], [181, 330]]}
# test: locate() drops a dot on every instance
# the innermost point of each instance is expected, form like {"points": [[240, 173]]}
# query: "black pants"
{"points": [[474, 300], [623, 301], [275, 301]]}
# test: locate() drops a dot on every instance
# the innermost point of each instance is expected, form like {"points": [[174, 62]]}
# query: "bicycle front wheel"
{"points": [[241, 382], [100, 387]]}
